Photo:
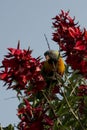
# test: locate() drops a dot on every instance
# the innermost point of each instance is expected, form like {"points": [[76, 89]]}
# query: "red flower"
{"points": [[80, 46], [33, 118], [72, 41], [37, 125], [84, 67], [56, 89], [20, 69]]}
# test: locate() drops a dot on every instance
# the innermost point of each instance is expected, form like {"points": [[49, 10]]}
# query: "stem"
{"points": [[72, 111], [52, 108], [74, 114], [70, 106]]}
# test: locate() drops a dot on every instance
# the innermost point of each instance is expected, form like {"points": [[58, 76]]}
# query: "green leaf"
{"points": [[9, 127]]}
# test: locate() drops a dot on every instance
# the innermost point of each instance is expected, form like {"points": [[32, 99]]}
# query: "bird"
{"points": [[53, 63]]}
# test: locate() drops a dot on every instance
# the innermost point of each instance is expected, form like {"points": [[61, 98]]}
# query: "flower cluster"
{"points": [[20, 70], [72, 40], [33, 118]]}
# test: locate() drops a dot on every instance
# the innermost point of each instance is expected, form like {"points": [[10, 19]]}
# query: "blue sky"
{"points": [[27, 21]]}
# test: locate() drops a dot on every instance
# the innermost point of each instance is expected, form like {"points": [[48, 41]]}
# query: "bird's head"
{"points": [[51, 56]]}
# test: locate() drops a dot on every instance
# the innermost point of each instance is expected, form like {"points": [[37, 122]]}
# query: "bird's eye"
{"points": [[47, 57]]}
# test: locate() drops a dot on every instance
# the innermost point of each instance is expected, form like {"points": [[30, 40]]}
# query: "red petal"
{"points": [[3, 76], [79, 46], [71, 32]]}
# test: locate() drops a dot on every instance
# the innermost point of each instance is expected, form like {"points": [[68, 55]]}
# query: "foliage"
{"points": [[60, 104], [9, 127]]}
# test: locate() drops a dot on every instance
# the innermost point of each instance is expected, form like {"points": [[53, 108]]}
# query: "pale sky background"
{"points": [[27, 21]]}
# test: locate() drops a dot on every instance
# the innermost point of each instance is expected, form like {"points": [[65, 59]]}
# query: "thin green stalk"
{"points": [[74, 114], [52, 108]]}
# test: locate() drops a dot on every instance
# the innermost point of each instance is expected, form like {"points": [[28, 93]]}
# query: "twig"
{"points": [[52, 108], [71, 109], [47, 41], [74, 114]]}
